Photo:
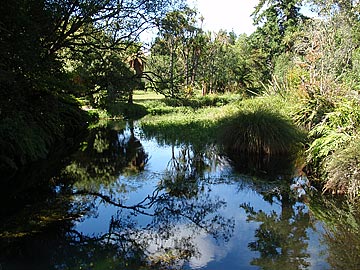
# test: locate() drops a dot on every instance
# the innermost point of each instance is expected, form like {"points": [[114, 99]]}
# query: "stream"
{"points": [[127, 200]]}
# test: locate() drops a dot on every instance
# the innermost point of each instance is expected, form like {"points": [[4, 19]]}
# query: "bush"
{"points": [[333, 131], [343, 170], [32, 132]]}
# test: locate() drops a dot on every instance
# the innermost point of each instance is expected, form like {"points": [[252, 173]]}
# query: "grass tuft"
{"points": [[260, 132]]}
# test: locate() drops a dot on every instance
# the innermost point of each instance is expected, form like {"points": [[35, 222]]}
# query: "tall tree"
{"points": [[275, 18], [176, 51]]}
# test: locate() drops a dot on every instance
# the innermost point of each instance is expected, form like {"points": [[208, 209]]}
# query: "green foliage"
{"points": [[168, 105], [324, 51], [102, 77], [108, 151], [203, 101], [29, 134], [280, 237], [260, 132], [175, 54], [311, 111], [202, 126], [184, 124], [189, 60], [51, 50], [126, 110], [282, 68], [158, 108], [343, 170], [276, 18], [335, 130], [271, 101]]}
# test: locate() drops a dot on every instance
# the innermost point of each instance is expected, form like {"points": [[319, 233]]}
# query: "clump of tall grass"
{"points": [[260, 132]]}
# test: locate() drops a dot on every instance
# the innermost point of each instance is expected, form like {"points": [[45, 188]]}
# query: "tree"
{"points": [[275, 19], [38, 39], [176, 52]]}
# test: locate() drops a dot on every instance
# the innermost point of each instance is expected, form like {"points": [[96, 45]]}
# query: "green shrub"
{"points": [[311, 111], [33, 131], [334, 131], [343, 170]]}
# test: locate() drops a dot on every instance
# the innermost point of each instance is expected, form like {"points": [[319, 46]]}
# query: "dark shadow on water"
{"points": [[264, 166]]}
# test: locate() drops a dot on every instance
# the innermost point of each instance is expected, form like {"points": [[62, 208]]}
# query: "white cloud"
{"points": [[226, 14]]}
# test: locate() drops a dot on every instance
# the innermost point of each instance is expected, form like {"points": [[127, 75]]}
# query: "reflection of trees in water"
{"points": [[342, 230], [106, 154], [180, 199], [180, 209], [281, 238], [134, 151], [167, 240], [185, 172]]}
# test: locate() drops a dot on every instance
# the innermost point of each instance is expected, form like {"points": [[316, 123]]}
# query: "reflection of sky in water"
{"points": [[233, 254]]}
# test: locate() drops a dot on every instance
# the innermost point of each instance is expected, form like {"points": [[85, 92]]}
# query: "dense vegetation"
{"points": [[55, 53], [293, 76], [309, 63]]}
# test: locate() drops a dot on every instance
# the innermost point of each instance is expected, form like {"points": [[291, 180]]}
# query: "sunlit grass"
{"points": [[177, 123], [141, 96], [185, 125]]}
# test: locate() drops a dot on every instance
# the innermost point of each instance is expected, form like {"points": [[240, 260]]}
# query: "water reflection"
{"points": [[281, 238], [156, 232], [185, 171], [168, 237], [342, 230], [109, 152], [123, 203]]}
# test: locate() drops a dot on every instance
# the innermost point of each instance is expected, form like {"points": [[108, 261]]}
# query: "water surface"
{"points": [[128, 201]]}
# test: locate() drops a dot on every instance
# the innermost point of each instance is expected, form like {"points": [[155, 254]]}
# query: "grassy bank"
{"points": [[246, 129], [267, 124], [324, 130]]}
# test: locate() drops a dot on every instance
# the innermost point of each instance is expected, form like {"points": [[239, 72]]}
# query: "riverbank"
{"points": [[328, 154]]}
